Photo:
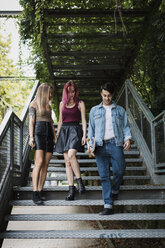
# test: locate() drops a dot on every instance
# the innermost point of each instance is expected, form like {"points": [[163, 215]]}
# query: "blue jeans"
{"points": [[106, 154]]}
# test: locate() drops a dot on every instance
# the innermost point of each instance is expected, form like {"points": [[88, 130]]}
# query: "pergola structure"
{"points": [[92, 46]]}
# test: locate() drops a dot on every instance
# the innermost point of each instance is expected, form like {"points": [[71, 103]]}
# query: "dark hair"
{"points": [[109, 87]]}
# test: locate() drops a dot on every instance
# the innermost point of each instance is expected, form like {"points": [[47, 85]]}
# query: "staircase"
{"points": [[140, 207], [139, 211]]}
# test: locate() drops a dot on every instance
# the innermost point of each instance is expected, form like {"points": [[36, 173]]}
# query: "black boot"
{"points": [[41, 196], [70, 196], [36, 198], [106, 211], [114, 196], [80, 185]]}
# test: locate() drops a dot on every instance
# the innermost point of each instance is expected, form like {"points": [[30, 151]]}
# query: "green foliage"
{"points": [[149, 70], [6, 66], [31, 24], [30, 34], [13, 94]]}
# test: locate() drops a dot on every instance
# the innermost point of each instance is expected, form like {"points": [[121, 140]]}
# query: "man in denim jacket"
{"points": [[109, 127]]}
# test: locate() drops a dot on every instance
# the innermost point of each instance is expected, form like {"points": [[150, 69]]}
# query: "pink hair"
{"points": [[66, 91]]}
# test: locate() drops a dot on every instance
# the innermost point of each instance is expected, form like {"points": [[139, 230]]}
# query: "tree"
{"points": [[6, 65], [148, 72], [13, 93]]}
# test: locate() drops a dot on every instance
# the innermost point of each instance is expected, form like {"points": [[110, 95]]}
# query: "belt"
{"points": [[108, 139]]}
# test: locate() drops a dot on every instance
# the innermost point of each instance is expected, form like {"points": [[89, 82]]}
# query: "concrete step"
{"points": [[87, 217], [138, 202], [80, 234]]}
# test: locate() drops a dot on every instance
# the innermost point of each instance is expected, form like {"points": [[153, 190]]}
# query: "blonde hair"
{"points": [[42, 98]]}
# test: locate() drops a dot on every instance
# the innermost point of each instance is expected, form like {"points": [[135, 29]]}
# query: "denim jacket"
{"points": [[120, 124]]}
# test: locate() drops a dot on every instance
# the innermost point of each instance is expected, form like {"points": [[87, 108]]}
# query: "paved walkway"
{"points": [[51, 225]]}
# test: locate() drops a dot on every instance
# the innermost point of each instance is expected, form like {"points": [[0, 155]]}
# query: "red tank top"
{"points": [[71, 114]]}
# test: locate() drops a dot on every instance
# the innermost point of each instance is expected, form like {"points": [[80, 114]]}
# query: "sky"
{"points": [[11, 27], [10, 5]]}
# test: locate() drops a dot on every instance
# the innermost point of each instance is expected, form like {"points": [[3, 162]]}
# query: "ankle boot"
{"points": [[80, 185], [36, 198], [41, 195], [70, 196]]}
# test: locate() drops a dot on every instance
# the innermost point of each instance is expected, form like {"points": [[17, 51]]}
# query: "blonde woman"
{"points": [[42, 138]]}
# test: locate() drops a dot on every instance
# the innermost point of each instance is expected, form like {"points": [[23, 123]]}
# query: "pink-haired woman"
{"points": [[71, 135]]}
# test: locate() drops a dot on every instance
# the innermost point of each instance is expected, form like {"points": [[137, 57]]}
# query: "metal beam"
{"points": [[13, 78], [81, 77], [79, 61], [60, 13], [89, 44], [79, 73], [88, 67], [117, 53], [51, 24], [95, 85], [88, 94], [6, 13], [56, 43], [85, 84], [88, 35]]}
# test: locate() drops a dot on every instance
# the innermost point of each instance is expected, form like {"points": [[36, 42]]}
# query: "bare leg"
{"points": [[74, 163], [76, 169], [69, 171], [38, 159], [43, 171]]}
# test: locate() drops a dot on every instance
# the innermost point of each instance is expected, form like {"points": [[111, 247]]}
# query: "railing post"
{"points": [[153, 144], [126, 97], [12, 142], [164, 126], [21, 147], [141, 122]]}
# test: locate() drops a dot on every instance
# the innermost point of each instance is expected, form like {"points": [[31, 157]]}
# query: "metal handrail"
{"points": [[32, 94], [140, 102], [14, 150], [162, 113], [14, 142], [146, 128], [5, 123]]}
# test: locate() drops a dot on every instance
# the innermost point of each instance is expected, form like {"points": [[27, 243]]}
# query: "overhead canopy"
{"points": [[89, 43], [91, 46]]}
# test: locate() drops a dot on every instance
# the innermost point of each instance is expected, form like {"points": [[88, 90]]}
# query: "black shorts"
{"points": [[70, 137], [43, 136]]}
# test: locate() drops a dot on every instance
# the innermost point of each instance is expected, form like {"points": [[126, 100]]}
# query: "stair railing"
{"points": [[14, 150], [148, 131]]}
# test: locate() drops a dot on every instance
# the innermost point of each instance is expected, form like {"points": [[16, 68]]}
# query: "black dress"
{"points": [[71, 133]]}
